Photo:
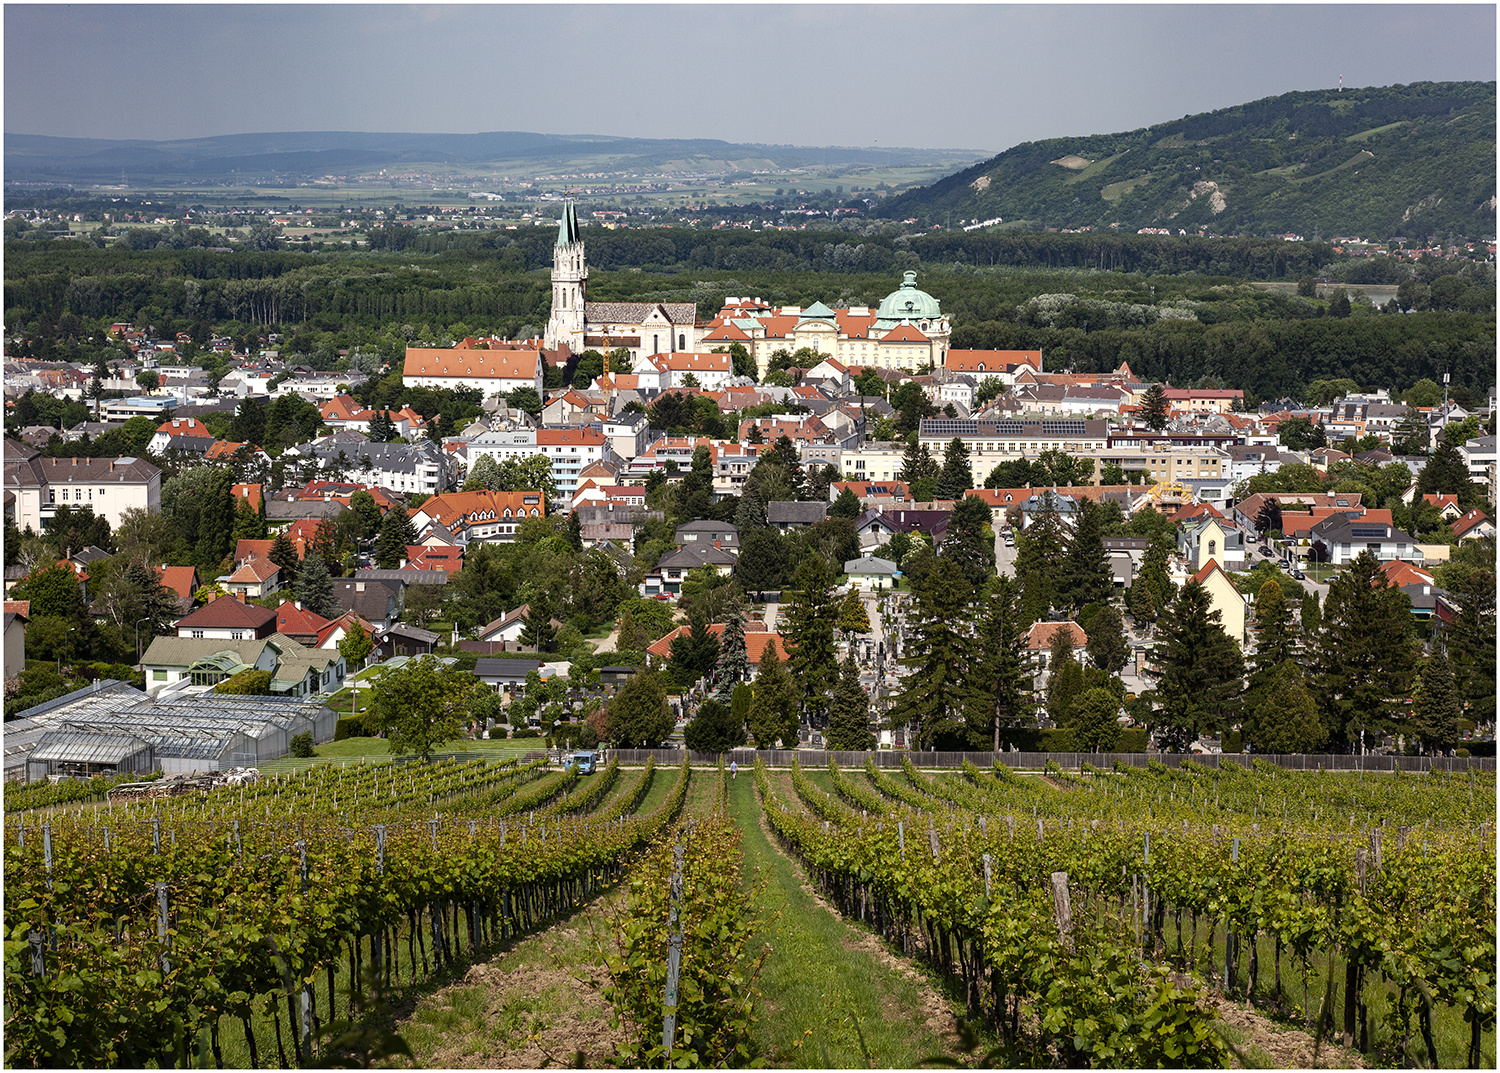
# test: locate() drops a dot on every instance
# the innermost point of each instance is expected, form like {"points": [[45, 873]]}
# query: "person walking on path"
{"points": [[734, 768]]}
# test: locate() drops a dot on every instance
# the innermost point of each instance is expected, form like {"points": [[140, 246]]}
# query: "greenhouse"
{"points": [[205, 732]]}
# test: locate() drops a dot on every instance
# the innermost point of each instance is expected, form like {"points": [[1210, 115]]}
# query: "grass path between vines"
{"points": [[834, 997]]}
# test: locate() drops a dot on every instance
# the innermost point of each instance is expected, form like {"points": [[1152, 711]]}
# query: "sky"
{"points": [[961, 76]]}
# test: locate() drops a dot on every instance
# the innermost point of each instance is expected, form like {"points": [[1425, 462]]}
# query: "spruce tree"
{"points": [[1366, 655], [1154, 407], [1198, 672], [773, 711], [957, 476], [390, 545], [315, 587], [849, 717], [1087, 574], [939, 691], [810, 618], [1003, 695], [733, 664], [1107, 648], [216, 520], [1065, 678], [1041, 555], [382, 428], [1436, 707], [969, 542], [284, 554], [845, 505]]}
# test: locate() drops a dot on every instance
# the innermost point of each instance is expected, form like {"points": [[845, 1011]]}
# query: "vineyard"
{"points": [[1098, 917]]}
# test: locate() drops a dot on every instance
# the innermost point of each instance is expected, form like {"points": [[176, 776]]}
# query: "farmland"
{"points": [[497, 912]]}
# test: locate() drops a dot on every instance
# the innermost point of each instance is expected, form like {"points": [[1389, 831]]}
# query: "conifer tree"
{"points": [[1095, 720], [940, 690], [811, 616], [1107, 648], [733, 664], [1280, 714], [1002, 675], [957, 475], [390, 545], [773, 711], [1436, 707], [1198, 673], [714, 729], [1154, 407], [382, 428], [1087, 574], [315, 587], [849, 718], [1366, 655], [845, 505], [970, 543], [1041, 553], [284, 554]]}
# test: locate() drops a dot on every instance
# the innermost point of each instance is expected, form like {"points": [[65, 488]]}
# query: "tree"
{"points": [[422, 705], [1436, 706], [1277, 633], [382, 428], [216, 519], [714, 729], [71, 529], [315, 587], [355, 646], [52, 591], [639, 717], [483, 474], [1154, 407], [1282, 717], [1198, 673], [421, 604], [390, 545], [1065, 680], [734, 663], [1153, 589], [846, 505], [1268, 520], [940, 690], [284, 554], [1366, 655], [1087, 576], [1002, 675], [853, 619], [957, 476], [694, 653], [539, 634], [849, 717], [970, 543], [148, 381], [1446, 472], [1041, 557], [1107, 648], [1095, 723], [364, 508], [773, 710], [1410, 437], [810, 617], [917, 464]]}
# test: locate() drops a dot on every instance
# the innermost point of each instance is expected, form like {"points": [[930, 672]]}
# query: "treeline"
{"points": [[1269, 359]]}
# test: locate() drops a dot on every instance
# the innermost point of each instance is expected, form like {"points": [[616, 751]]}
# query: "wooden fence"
{"points": [[892, 758]]}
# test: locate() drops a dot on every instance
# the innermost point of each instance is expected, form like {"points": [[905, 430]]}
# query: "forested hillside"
{"points": [[1414, 161]]}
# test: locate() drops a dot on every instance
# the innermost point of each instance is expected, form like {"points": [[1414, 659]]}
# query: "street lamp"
{"points": [[138, 638]]}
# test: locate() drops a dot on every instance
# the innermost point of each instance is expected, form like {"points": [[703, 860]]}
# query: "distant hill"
{"points": [[1409, 161], [312, 154]]}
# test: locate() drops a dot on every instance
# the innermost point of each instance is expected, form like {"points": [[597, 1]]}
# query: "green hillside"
{"points": [[1408, 161]]}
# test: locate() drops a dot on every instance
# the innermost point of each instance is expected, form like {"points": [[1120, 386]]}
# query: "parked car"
{"points": [[1298, 575], [1265, 550]]}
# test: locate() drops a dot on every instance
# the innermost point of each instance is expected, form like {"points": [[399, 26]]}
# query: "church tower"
{"points": [[569, 274]]}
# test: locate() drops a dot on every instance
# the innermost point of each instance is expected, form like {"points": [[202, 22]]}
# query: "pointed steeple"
{"points": [[567, 227]]}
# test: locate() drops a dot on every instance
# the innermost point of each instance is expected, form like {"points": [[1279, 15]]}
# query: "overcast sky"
{"points": [[971, 76]]}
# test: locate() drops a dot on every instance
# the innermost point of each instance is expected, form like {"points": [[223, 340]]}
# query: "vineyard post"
{"points": [[156, 834], [986, 875], [901, 837], [1062, 908], [161, 926], [38, 953], [47, 851], [306, 1027], [1234, 855], [674, 956]]}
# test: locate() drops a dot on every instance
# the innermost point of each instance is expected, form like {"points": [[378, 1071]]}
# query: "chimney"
{"points": [[297, 604]]}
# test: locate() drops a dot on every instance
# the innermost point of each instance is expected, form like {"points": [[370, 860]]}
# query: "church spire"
{"points": [[567, 227]]}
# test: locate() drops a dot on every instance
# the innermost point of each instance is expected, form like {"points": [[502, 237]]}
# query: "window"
{"points": [[158, 676], [196, 633]]}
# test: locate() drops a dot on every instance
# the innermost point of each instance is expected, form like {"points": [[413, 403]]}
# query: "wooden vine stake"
{"points": [[674, 957], [1062, 908]]}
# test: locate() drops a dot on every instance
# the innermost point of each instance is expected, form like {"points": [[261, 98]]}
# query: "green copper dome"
{"points": [[908, 303]]}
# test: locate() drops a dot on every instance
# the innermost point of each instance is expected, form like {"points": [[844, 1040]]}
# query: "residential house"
{"points": [[1223, 598], [480, 516], [757, 641], [785, 516], [497, 370], [1041, 637], [1212, 538], [724, 535], [228, 618], [404, 640], [254, 579], [376, 602], [1341, 539], [870, 572], [505, 675], [1473, 526]]}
